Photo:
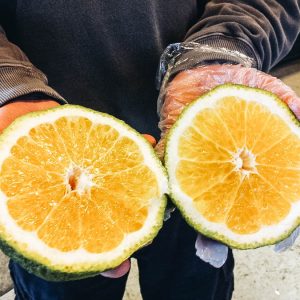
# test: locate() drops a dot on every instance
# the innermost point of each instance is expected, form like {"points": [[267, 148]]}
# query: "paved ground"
{"points": [[5, 282], [259, 274]]}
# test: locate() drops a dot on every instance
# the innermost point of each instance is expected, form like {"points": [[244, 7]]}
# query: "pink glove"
{"points": [[189, 85]]}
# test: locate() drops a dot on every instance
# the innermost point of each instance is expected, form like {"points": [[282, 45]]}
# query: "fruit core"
{"points": [[79, 180], [244, 161]]}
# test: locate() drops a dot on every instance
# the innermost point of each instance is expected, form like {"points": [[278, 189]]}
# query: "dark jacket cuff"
{"points": [[17, 80]]}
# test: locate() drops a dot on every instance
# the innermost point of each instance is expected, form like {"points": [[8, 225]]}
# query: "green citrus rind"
{"points": [[198, 225], [41, 266]]}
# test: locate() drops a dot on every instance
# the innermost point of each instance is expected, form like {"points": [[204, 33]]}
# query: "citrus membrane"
{"points": [[80, 191], [233, 160]]}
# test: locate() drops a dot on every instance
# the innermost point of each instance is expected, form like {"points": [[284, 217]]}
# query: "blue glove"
{"points": [[288, 242], [211, 251]]}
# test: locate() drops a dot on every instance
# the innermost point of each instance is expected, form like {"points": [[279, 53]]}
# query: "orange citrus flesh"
{"points": [[242, 163], [78, 185]]}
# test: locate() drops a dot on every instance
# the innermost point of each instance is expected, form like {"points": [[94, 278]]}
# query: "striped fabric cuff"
{"points": [[17, 80]]}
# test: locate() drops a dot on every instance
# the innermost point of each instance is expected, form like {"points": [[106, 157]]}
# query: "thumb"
{"points": [[150, 139], [119, 271]]}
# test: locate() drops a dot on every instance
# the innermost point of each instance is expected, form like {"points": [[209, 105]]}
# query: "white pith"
{"points": [[186, 203], [239, 162], [28, 242], [84, 179]]}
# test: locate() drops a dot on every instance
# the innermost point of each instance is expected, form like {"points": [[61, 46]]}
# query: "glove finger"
{"points": [[120, 271], [276, 86], [288, 242], [211, 251]]}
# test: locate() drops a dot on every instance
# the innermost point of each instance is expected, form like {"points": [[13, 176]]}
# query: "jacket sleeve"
{"points": [[18, 77], [264, 30]]}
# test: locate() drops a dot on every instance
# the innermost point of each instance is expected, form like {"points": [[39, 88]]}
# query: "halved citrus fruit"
{"points": [[233, 159], [80, 191]]}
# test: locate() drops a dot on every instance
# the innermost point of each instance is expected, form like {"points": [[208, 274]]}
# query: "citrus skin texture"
{"points": [[37, 256], [217, 223]]}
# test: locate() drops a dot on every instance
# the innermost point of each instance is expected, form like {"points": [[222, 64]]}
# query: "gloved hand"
{"points": [[189, 85], [12, 110], [288, 242]]}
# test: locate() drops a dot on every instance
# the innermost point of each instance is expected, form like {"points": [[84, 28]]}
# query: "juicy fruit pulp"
{"points": [[238, 161], [79, 185]]}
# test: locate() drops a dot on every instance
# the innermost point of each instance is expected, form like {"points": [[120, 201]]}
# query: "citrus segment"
{"points": [[73, 139], [243, 216], [284, 180], [98, 238], [60, 228], [272, 205], [267, 129], [20, 178], [212, 204], [235, 123], [191, 147], [254, 130], [101, 141], [32, 208], [79, 190], [210, 126], [275, 154], [197, 177], [233, 159]]}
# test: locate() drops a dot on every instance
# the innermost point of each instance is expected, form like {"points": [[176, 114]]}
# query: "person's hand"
{"points": [[188, 86], [10, 111]]}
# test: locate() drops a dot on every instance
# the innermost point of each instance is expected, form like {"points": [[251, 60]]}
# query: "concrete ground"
{"points": [[260, 274], [5, 282]]}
